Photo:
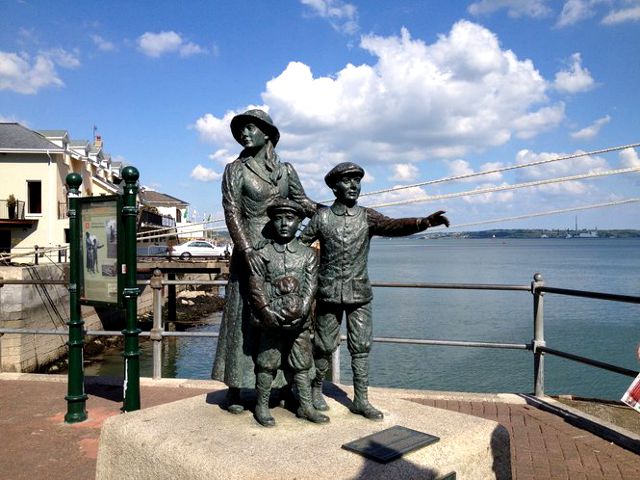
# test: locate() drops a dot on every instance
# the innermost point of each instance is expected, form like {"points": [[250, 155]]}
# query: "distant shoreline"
{"points": [[535, 233]]}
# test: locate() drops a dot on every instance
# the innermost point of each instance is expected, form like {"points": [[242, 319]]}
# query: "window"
{"points": [[34, 197]]}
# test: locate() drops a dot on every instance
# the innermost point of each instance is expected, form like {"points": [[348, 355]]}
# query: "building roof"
{"points": [[157, 199], [78, 143], [53, 133], [107, 185], [15, 138]]}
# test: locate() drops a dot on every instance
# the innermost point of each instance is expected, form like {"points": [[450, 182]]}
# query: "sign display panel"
{"points": [[100, 226]]}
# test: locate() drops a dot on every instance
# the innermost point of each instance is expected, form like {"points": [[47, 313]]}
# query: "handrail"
{"points": [[453, 286], [589, 361], [595, 295], [537, 346]]}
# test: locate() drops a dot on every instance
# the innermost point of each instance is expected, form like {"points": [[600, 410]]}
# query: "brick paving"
{"points": [[544, 446], [35, 443]]}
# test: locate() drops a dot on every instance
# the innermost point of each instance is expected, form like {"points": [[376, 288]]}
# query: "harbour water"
{"points": [[606, 331]]}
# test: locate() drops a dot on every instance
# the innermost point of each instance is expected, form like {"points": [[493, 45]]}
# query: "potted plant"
{"points": [[11, 205]]}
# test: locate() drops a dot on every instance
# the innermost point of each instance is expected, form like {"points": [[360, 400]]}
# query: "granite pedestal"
{"points": [[197, 439]]}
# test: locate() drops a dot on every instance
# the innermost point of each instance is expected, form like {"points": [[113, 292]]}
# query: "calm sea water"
{"points": [[606, 331]]}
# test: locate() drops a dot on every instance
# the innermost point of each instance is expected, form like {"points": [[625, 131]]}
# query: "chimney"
{"points": [[98, 142]]}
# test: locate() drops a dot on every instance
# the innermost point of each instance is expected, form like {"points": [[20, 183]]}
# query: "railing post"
{"points": [[76, 398], [538, 335], [59, 253], [36, 248], [171, 301], [130, 292], [156, 331], [335, 366]]}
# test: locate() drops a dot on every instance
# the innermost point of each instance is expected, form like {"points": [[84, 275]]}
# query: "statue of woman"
{"points": [[249, 185]]}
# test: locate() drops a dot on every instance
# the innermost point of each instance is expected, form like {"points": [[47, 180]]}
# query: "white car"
{"points": [[199, 248]]}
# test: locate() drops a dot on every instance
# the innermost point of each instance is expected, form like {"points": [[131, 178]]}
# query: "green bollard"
{"points": [[130, 292], [76, 398]]}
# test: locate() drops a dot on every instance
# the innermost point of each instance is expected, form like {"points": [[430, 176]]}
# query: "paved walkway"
{"points": [[544, 446], [35, 443]]}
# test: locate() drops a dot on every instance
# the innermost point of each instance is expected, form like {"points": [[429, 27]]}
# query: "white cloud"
{"points": [[461, 167], [62, 57], [629, 158], [223, 156], [631, 14], [413, 102], [21, 74], [489, 198], [103, 44], [343, 17], [406, 194], [157, 44], [515, 8], [546, 118], [405, 172], [204, 174], [562, 168], [575, 11], [576, 79], [591, 130]]}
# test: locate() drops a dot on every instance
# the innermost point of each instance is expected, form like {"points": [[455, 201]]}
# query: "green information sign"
{"points": [[101, 275]]}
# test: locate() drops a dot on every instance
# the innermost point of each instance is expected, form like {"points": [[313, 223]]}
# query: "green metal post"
{"points": [[130, 292], [76, 398]]}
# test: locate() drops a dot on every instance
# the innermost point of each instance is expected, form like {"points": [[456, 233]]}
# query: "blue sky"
{"points": [[412, 90]]}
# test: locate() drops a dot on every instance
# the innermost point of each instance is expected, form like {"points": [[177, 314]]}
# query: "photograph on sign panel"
{"points": [[100, 245]]}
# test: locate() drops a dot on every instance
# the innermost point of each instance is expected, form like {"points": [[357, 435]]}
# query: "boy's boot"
{"points": [[322, 366], [306, 409], [263, 391], [361, 405], [233, 400]]}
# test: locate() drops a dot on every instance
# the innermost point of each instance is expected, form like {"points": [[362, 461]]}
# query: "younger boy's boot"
{"points": [[306, 409], [263, 391], [233, 400], [361, 405]]}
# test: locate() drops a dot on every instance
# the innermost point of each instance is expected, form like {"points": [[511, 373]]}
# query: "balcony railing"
{"points": [[62, 210], [148, 218], [14, 212]]}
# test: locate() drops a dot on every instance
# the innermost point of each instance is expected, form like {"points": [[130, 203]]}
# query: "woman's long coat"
{"points": [[248, 188]]}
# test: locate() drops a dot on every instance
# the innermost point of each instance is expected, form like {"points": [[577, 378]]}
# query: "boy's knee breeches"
{"points": [[327, 328], [294, 346]]}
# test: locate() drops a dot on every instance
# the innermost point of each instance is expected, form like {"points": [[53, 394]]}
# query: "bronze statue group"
{"points": [[270, 335]]}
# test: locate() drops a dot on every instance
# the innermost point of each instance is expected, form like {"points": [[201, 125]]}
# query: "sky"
{"points": [[414, 91]]}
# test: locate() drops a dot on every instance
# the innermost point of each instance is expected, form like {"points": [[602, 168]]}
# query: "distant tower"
{"points": [[576, 223]]}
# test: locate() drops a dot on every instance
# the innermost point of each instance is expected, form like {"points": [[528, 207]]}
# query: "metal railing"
{"points": [[537, 345], [63, 210], [155, 219], [61, 252], [14, 211]]}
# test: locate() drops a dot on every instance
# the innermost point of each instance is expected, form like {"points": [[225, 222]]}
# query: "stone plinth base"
{"points": [[196, 439]]}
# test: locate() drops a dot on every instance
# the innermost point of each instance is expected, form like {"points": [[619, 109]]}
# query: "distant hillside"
{"points": [[535, 233]]}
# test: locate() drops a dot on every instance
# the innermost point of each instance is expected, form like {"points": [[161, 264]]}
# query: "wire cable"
{"points": [[501, 188], [502, 169]]}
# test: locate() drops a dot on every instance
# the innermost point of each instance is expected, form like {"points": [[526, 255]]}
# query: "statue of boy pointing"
{"points": [[344, 230]]}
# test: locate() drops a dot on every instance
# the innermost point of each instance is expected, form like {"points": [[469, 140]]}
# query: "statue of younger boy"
{"points": [[281, 292], [344, 230]]}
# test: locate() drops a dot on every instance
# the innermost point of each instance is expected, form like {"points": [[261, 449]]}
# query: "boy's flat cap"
{"points": [[341, 169]]}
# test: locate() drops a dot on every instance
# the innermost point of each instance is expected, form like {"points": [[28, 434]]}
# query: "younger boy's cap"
{"points": [[342, 169], [284, 205]]}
